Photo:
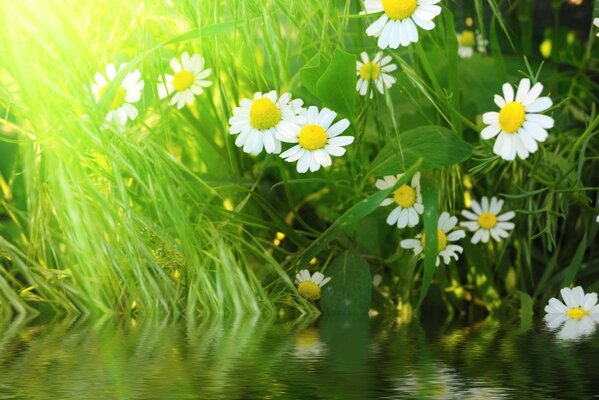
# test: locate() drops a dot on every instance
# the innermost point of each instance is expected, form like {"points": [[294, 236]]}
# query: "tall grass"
{"points": [[171, 217]]}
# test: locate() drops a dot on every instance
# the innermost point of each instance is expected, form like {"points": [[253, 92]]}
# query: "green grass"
{"points": [[97, 221]]}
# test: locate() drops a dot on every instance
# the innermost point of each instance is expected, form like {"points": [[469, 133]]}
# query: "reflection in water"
{"points": [[332, 358]]}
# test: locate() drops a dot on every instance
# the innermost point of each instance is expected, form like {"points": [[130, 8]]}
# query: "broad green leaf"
{"points": [[525, 311], [337, 86], [312, 71], [350, 288], [572, 269], [435, 145], [431, 219]]}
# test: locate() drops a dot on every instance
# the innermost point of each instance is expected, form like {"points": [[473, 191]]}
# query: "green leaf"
{"points": [[435, 145], [350, 288], [337, 86], [312, 71], [431, 220], [525, 311]]}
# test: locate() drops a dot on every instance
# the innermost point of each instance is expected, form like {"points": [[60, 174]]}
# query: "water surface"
{"points": [[332, 358]]}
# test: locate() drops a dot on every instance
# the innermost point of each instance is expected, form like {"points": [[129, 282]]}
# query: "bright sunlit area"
{"points": [[299, 199]]}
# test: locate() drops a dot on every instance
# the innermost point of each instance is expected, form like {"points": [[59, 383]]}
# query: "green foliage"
{"points": [[350, 289]]}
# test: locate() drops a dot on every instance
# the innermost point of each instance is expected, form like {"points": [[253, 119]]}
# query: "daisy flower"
{"points": [[188, 81], [317, 140], [445, 235], [260, 121], [481, 43], [121, 108], [309, 286], [486, 222], [596, 23], [376, 71], [578, 315], [517, 123], [407, 198], [397, 25], [466, 43]]}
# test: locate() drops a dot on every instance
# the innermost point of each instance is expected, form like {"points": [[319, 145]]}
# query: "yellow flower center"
{"points": [[119, 97], [467, 39], [487, 220], [183, 80], [307, 338], [511, 117], [576, 313], [399, 9], [264, 114], [309, 290], [441, 240], [370, 70], [405, 196], [312, 137]]}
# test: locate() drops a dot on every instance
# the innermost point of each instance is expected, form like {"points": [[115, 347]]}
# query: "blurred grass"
{"points": [[170, 217]]}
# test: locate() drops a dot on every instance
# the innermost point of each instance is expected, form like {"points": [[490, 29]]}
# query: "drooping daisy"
{"points": [[466, 43], [121, 108], [578, 315], [317, 140], [407, 198], [397, 25], [260, 121], [309, 286], [445, 235], [486, 222], [189, 80], [376, 71], [517, 123]]}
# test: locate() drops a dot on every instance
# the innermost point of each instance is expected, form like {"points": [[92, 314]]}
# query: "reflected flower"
{"points": [[307, 344], [577, 317]]}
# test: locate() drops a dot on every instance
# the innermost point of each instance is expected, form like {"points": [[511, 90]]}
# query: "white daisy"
{"points": [[309, 286], [466, 43], [596, 23], [317, 140], [188, 81], [445, 235], [517, 123], [578, 316], [121, 108], [481, 43], [486, 222], [407, 198], [397, 25], [260, 121], [376, 71]]}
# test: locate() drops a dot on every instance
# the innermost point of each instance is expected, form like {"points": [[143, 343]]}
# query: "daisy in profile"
{"points": [[445, 234], [309, 285], [517, 125], [317, 140], [468, 41], [121, 107], [397, 25], [596, 23], [258, 122], [188, 81], [375, 71], [486, 222], [578, 315], [407, 198]]}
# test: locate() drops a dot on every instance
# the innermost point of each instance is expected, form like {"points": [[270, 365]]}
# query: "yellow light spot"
{"points": [[183, 80], [370, 70], [576, 313], [487, 220], [280, 235], [309, 290], [176, 274], [571, 38], [467, 39], [511, 117], [405, 196], [228, 205], [313, 261], [312, 137], [276, 242], [467, 199], [264, 114], [119, 97], [399, 9], [546, 47], [469, 21], [441, 240]]}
